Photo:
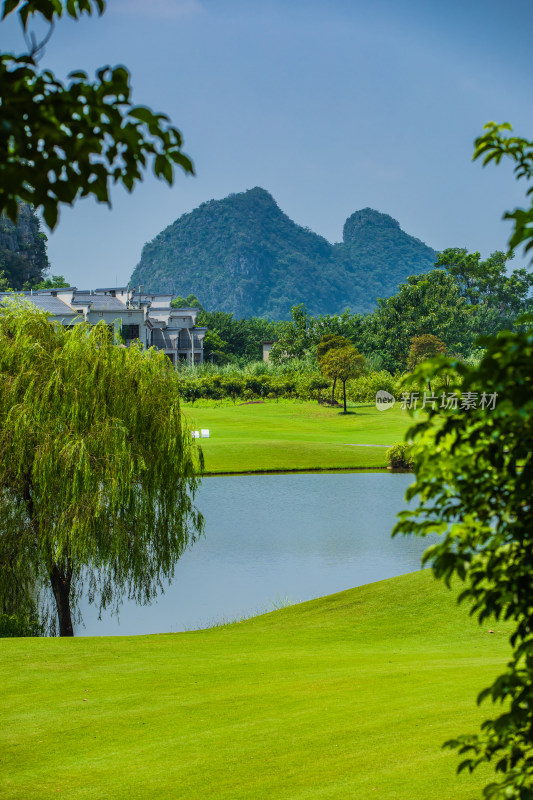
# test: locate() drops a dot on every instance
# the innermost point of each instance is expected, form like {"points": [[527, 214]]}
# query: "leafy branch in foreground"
{"points": [[474, 473], [493, 146], [63, 141]]}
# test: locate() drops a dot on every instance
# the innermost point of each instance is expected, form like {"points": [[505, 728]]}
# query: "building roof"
{"points": [[47, 302], [99, 302], [53, 290]]}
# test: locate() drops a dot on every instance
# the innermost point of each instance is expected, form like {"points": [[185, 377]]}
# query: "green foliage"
{"points": [[191, 301], [364, 388], [424, 347], [296, 338], [454, 304], [400, 456], [233, 386], [54, 282], [215, 348], [474, 473], [425, 303], [495, 297], [343, 364], [461, 300], [49, 9], [259, 380], [310, 387], [243, 255], [329, 342], [234, 341], [62, 141], [493, 145], [4, 282], [97, 470], [23, 256], [301, 337], [20, 625], [473, 477]]}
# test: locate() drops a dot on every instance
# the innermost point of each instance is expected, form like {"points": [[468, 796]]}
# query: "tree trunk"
{"points": [[60, 579], [333, 390], [344, 394]]}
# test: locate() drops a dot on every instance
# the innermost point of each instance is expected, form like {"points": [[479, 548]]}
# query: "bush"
{"points": [[310, 387], [211, 388], [364, 388], [232, 386], [20, 625], [257, 380], [399, 456], [256, 386]]}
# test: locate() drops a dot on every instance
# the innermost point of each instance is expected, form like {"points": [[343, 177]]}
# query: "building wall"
{"points": [[159, 325]]}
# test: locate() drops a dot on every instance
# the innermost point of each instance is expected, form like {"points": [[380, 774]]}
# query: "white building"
{"points": [[148, 318]]}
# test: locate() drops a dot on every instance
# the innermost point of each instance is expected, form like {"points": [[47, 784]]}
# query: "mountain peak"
{"points": [[366, 218], [256, 195], [244, 255]]}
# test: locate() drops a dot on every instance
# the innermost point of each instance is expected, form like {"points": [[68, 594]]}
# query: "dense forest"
{"points": [[462, 299], [244, 256]]}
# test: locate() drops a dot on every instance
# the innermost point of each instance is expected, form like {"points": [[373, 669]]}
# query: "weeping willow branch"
{"points": [[97, 468]]}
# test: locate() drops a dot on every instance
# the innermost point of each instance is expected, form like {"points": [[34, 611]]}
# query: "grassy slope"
{"points": [[294, 435], [334, 698]]}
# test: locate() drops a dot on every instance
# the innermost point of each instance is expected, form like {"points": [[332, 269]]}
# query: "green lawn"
{"points": [[335, 698], [267, 437]]}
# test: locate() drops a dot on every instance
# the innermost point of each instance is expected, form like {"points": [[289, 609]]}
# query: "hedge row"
{"points": [[304, 386], [248, 387]]}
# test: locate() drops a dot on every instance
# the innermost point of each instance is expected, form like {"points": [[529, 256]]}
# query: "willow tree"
{"points": [[97, 469]]}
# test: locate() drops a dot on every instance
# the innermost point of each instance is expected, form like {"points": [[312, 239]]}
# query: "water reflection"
{"points": [[275, 538]]}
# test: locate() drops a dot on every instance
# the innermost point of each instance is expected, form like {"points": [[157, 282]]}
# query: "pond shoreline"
{"points": [[302, 471]]}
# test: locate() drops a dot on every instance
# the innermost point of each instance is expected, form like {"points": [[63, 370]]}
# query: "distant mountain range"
{"points": [[244, 255]]}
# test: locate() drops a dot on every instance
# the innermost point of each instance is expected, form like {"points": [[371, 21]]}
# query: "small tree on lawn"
{"points": [[97, 470], [344, 364], [329, 342]]}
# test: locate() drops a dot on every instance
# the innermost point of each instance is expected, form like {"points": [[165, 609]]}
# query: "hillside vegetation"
{"points": [[243, 255], [23, 258]]}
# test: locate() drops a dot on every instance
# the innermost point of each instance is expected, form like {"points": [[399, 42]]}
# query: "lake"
{"points": [[271, 540]]}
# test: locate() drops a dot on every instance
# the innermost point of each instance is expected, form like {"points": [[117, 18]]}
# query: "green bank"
{"points": [[294, 435], [343, 697]]}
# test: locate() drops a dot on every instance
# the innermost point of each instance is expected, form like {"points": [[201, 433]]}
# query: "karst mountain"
{"points": [[242, 254]]}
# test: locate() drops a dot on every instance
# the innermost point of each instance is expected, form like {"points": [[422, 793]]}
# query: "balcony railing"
{"points": [[163, 341], [185, 342]]}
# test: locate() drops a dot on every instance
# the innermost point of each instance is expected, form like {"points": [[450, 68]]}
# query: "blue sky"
{"points": [[331, 106]]}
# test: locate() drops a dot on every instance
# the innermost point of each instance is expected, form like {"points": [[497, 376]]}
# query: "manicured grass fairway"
{"points": [[294, 436], [336, 698]]}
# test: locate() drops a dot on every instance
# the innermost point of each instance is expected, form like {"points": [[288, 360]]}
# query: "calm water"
{"points": [[275, 539]]}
